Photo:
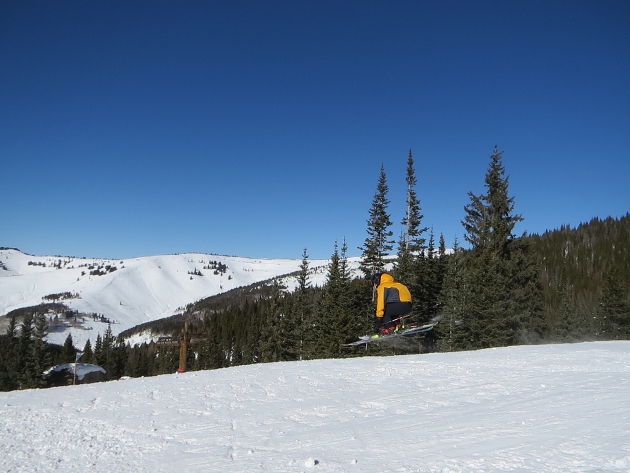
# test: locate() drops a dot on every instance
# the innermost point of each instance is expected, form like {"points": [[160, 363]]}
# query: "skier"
{"points": [[393, 300]]}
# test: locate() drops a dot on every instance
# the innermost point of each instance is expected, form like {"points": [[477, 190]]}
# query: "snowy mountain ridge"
{"points": [[132, 291]]}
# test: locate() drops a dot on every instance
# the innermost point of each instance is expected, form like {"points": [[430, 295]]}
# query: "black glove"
{"points": [[378, 323]]}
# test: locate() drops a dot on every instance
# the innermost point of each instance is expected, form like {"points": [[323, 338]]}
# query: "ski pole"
{"points": [[401, 317]]}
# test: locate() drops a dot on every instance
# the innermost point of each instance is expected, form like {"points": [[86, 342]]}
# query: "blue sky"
{"points": [[259, 128]]}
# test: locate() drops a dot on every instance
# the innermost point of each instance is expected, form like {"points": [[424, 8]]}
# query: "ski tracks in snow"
{"points": [[525, 409]]}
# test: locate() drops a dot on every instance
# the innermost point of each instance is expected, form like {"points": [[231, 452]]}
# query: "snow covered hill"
{"points": [[132, 291], [553, 408]]}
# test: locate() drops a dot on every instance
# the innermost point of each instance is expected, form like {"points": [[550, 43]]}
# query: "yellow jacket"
{"points": [[390, 291]]}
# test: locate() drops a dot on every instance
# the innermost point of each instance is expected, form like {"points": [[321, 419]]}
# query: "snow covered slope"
{"points": [[132, 291], [553, 408]]}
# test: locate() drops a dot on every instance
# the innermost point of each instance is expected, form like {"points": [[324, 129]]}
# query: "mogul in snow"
{"points": [[393, 302]]}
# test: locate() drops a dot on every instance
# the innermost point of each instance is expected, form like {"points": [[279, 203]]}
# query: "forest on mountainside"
{"points": [[585, 274], [567, 285], [312, 322]]}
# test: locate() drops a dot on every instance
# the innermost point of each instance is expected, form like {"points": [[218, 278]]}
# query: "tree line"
{"points": [[499, 289]]}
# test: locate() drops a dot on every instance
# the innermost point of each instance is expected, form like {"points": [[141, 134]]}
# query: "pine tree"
{"points": [[41, 357], [98, 351], [271, 336], [432, 281], [251, 334], [440, 263], [525, 293], [9, 353], [213, 327], [27, 365], [290, 332], [108, 355], [335, 324], [378, 243], [88, 354], [504, 295], [68, 352], [490, 221], [303, 309], [452, 335], [12, 326], [117, 358], [558, 325], [615, 306], [352, 321], [412, 242]]}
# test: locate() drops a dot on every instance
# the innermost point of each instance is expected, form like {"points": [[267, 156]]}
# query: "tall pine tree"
{"points": [[503, 297], [335, 324], [271, 340], [412, 242], [452, 335], [378, 243], [303, 309]]}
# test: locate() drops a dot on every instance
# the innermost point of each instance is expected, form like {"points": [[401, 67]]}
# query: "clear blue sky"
{"points": [[258, 129]]}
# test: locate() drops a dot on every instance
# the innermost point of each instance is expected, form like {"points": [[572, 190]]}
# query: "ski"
{"points": [[368, 339]]}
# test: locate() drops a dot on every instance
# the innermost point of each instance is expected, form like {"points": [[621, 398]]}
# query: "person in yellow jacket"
{"points": [[393, 300]]}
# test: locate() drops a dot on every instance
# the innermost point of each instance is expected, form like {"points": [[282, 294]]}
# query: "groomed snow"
{"points": [[554, 408]]}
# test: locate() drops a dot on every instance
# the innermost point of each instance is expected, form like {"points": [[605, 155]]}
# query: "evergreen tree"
{"points": [[352, 322], [98, 351], [412, 242], [504, 295], [432, 281], [251, 335], [68, 352], [452, 335], [559, 324], [138, 363], [290, 332], [88, 354], [525, 315], [117, 358], [378, 243], [27, 365], [335, 324], [412, 223], [41, 357], [9, 353], [133, 362], [442, 258], [440, 266], [404, 266], [215, 358], [26, 334], [271, 337], [615, 306], [303, 309], [12, 326], [108, 355], [490, 221]]}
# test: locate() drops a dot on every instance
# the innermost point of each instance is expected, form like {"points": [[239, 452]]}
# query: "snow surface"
{"points": [[553, 408], [140, 290]]}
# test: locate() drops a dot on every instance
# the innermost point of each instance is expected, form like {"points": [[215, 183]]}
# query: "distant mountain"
{"points": [[82, 295]]}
